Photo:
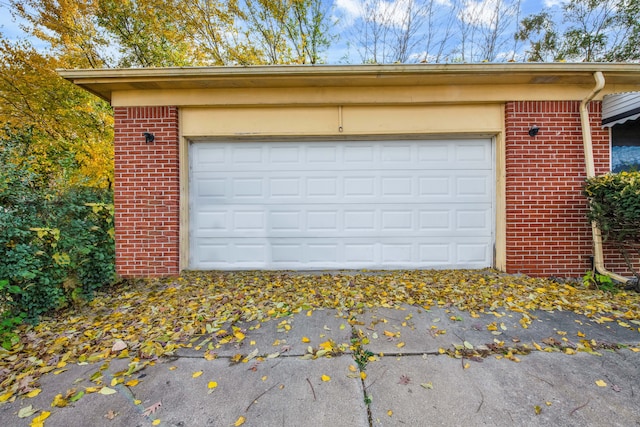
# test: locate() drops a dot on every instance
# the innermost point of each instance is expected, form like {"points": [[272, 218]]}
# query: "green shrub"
{"points": [[56, 243], [615, 208]]}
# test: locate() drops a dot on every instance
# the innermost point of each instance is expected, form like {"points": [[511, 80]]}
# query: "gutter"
{"points": [[591, 172]]}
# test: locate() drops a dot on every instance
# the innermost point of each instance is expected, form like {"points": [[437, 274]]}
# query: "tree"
{"points": [[586, 30], [288, 31], [71, 129]]}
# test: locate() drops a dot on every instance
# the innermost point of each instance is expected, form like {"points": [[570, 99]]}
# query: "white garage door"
{"points": [[341, 205]]}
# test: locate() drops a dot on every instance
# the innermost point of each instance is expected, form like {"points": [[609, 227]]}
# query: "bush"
{"points": [[615, 208], [56, 244]]}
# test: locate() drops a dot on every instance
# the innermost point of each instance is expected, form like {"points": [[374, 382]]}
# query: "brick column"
{"points": [[547, 230], [147, 190]]}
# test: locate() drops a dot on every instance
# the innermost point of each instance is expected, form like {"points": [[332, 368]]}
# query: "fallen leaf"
{"points": [[107, 391], [118, 345], [400, 345], [601, 383], [212, 384], [305, 340], [39, 420], [77, 396], [26, 412], [390, 412], [239, 421], [196, 374], [111, 414], [59, 401], [34, 393], [325, 378], [132, 383], [151, 409], [428, 386], [155, 422]]}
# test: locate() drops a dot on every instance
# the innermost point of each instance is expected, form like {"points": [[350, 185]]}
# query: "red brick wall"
{"points": [[147, 191], [547, 231]]}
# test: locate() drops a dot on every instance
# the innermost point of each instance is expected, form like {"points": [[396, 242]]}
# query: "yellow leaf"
{"points": [[239, 421], [132, 383], [389, 334], [34, 393], [327, 345], [196, 374], [156, 422], [601, 383], [39, 420], [137, 402], [581, 334], [309, 313], [389, 412], [212, 384], [569, 351], [6, 396], [59, 401], [173, 368], [537, 346], [264, 378], [352, 368], [91, 389], [305, 339], [114, 382], [326, 378], [400, 345], [442, 350], [467, 365], [59, 371], [239, 335]]}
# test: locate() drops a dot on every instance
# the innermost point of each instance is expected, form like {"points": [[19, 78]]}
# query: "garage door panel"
{"points": [[455, 220], [364, 204], [391, 155], [351, 186], [349, 253]]}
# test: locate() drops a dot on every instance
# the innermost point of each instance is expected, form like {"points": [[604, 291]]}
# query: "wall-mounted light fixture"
{"points": [[149, 137], [533, 130]]}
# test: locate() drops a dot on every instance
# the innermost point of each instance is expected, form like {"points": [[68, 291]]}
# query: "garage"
{"points": [[323, 204]]}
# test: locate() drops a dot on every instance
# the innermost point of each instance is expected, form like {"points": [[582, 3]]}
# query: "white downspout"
{"points": [[598, 261]]}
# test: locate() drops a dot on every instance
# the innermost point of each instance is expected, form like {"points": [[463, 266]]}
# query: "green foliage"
{"points": [[599, 281], [584, 30], [56, 245], [615, 208]]}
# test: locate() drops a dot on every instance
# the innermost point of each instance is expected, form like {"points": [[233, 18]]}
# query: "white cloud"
{"points": [[552, 3], [485, 12]]}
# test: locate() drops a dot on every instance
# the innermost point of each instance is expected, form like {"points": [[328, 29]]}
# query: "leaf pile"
{"points": [[150, 318]]}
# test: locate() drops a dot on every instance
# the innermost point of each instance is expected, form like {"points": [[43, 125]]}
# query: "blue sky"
{"points": [[347, 10]]}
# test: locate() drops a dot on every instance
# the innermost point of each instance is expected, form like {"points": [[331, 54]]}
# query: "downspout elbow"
{"points": [[591, 172]]}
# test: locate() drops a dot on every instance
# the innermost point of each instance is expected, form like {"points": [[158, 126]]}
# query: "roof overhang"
{"points": [[104, 82], [618, 108]]}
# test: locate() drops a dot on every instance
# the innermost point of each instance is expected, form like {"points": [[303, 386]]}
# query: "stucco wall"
{"points": [[146, 191]]}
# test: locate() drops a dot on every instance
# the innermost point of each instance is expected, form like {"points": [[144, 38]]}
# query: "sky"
{"points": [[347, 10]]}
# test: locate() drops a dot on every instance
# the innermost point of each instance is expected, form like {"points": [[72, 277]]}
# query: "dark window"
{"points": [[625, 146]]}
